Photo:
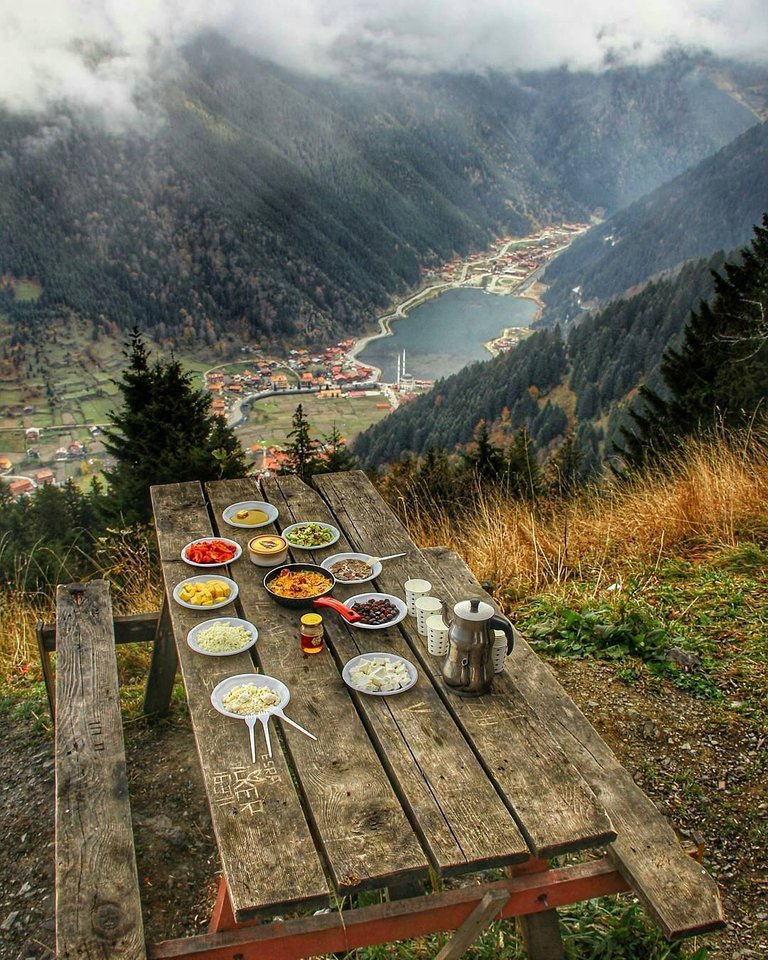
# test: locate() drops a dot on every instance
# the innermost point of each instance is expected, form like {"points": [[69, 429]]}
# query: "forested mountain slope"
{"points": [[710, 207], [548, 384], [276, 206]]}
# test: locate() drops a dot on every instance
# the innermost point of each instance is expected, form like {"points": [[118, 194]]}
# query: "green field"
{"points": [[269, 420], [27, 290]]}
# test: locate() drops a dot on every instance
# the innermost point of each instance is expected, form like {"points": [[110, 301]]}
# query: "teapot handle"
{"points": [[447, 620], [501, 623]]}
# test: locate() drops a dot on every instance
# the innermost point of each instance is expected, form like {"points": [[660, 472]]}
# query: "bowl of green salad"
{"points": [[310, 535]]}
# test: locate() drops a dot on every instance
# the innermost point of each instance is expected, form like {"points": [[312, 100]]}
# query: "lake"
{"points": [[445, 334]]}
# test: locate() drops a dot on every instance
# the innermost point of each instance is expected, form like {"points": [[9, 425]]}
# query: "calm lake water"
{"points": [[445, 334]]}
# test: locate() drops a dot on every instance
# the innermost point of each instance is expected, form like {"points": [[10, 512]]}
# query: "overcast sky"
{"points": [[47, 46]]}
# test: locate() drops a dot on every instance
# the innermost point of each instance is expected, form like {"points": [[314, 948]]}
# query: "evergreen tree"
{"points": [[564, 468], [164, 433], [301, 453], [719, 375], [521, 470], [337, 456], [485, 461]]}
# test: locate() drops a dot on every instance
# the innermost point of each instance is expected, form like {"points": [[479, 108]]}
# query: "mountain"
{"points": [[277, 206], [710, 207], [551, 384]]}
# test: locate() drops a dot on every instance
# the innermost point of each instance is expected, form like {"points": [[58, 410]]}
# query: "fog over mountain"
{"points": [[106, 54]]}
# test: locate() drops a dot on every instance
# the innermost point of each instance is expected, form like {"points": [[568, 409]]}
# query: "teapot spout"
{"points": [[447, 618]]}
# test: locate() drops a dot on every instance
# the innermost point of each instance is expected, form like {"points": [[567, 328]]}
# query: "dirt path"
{"points": [[700, 773]]}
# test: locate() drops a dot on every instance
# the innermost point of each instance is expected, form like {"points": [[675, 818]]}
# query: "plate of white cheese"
{"points": [[223, 636], [379, 674]]}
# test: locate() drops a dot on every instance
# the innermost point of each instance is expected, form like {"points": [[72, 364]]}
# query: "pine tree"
{"points": [[485, 461], [521, 469], [719, 375], [564, 468], [337, 456], [301, 453], [164, 433]]}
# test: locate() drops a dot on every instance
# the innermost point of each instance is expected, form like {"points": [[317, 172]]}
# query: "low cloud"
{"points": [[104, 54]]}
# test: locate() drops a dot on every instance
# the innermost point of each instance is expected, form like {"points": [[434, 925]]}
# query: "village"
{"points": [[510, 265], [509, 260]]}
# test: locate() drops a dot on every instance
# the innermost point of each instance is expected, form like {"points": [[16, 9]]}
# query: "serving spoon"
{"points": [[393, 556]]}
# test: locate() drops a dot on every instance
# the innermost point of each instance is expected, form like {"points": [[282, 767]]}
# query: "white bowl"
{"points": [[221, 563], [229, 513], [318, 546], [203, 578], [233, 622], [345, 673], [362, 597], [329, 561], [258, 679]]}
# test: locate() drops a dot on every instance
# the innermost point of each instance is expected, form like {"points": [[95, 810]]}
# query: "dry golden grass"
{"points": [[124, 561], [707, 499]]}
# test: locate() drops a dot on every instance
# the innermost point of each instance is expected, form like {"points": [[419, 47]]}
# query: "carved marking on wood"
{"points": [[240, 785], [97, 736]]}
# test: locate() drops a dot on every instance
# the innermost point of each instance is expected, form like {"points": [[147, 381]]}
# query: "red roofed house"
{"points": [[19, 487], [44, 476]]}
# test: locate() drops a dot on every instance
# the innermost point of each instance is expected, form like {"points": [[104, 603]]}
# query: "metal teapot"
{"points": [[468, 667]]}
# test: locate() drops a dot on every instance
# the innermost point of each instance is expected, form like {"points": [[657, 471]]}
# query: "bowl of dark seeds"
{"points": [[377, 610]]}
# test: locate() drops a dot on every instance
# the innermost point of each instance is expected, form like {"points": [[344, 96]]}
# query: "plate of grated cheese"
{"points": [[222, 637]]}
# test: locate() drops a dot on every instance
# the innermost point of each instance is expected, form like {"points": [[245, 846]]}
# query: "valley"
{"points": [[55, 396]]}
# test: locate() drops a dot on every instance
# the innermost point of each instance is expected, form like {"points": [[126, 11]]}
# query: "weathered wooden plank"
{"points": [[265, 843], [162, 668], [45, 664], [473, 926], [131, 628], [555, 809], [98, 908], [358, 820], [461, 819], [675, 889]]}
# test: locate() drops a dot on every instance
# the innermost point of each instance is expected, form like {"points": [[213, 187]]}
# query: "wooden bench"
{"points": [[98, 907]]}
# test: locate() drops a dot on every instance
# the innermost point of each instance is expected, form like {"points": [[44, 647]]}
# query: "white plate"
{"points": [[202, 579], [233, 508], [258, 679], [221, 563], [362, 597], [329, 561], [233, 622], [386, 656], [304, 523]]}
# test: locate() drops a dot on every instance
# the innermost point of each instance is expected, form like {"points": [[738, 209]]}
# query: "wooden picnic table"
{"points": [[398, 792]]}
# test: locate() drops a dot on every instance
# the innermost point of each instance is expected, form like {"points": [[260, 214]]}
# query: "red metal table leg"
{"points": [[223, 917]]}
